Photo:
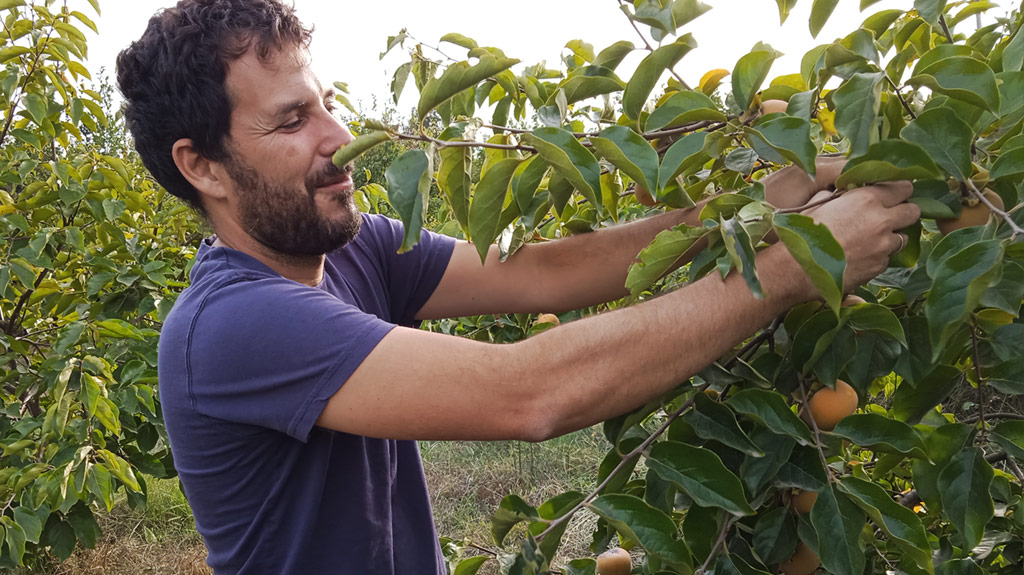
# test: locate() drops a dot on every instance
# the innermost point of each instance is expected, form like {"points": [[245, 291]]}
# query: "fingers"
{"points": [[901, 242], [904, 215], [827, 170], [895, 193]]}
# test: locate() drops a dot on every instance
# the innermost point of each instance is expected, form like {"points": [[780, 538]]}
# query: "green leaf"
{"points": [[838, 523], [471, 565], [963, 78], [408, 180], [687, 153], [930, 10], [453, 177], [647, 74], [459, 40], [613, 55], [650, 527], [960, 281], [879, 22], [712, 420], [629, 152], [874, 318], [686, 11], [912, 402], [15, 541], [488, 201], [788, 137], [756, 472], [359, 146], [964, 487], [682, 108], [817, 252], [741, 252], [960, 567], [775, 535], [1010, 436], [1010, 165], [512, 511], [820, 13], [771, 410], [661, 255], [879, 433], [900, 523], [946, 138], [803, 470], [857, 102], [701, 474], [120, 468], [589, 81], [750, 73], [526, 181], [784, 7], [569, 158], [458, 77], [888, 161]]}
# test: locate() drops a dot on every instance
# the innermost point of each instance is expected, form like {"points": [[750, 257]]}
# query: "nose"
{"points": [[336, 135]]}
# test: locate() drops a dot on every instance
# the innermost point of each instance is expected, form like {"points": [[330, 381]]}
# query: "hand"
{"points": [[791, 187], [866, 223]]}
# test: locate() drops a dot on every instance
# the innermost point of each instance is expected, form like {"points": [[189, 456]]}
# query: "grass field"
{"points": [[467, 481]]}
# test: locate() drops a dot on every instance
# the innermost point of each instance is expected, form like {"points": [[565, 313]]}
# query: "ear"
{"points": [[205, 175]]}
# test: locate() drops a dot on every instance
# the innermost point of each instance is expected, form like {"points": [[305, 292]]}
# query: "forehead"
{"points": [[262, 85]]}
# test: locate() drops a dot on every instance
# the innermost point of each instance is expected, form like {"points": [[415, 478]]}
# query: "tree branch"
{"points": [[945, 28], [1004, 215], [896, 90]]}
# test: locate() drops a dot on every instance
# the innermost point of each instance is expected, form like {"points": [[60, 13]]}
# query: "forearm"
{"points": [[590, 269], [588, 371]]}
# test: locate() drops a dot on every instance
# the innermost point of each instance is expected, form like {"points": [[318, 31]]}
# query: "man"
{"points": [[292, 381]]}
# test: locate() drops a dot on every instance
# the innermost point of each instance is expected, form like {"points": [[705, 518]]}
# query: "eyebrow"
{"points": [[290, 107]]}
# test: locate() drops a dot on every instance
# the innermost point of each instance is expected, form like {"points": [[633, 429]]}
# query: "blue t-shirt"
{"points": [[248, 360]]}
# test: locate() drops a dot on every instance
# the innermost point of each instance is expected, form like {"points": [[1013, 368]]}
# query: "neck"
{"points": [[308, 270]]}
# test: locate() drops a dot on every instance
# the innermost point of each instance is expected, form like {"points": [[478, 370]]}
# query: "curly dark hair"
{"points": [[173, 77]]}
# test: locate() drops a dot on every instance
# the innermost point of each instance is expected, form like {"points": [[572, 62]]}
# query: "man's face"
{"points": [[289, 196]]}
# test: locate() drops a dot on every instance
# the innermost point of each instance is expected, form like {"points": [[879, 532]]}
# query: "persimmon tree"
{"points": [[92, 252], [703, 479]]}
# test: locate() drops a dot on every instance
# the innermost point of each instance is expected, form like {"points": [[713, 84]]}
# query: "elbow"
{"points": [[533, 404]]}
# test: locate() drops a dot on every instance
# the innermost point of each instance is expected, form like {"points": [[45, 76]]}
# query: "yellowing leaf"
{"points": [[712, 80], [827, 119]]}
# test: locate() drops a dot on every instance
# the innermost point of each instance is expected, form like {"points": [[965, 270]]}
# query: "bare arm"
{"points": [[428, 386], [582, 270]]}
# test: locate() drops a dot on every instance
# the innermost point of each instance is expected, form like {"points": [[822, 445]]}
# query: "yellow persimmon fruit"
{"points": [[803, 501], [803, 562], [852, 300], [774, 106], [828, 406], [615, 561], [644, 196], [548, 318], [976, 215]]}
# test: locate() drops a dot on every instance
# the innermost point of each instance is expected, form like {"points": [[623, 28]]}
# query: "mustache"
{"points": [[329, 174]]}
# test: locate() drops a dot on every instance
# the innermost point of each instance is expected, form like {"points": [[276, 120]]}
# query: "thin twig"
{"points": [[945, 28], [814, 204], [626, 460], [817, 431], [463, 143], [896, 89], [651, 48], [726, 524], [1006, 217], [976, 360], [990, 416]]}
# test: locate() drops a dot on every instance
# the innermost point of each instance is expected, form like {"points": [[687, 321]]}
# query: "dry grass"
{"points": [[467, 481]]}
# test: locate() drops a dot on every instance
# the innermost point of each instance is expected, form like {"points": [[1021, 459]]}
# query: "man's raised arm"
{"points": [[582, 270], [419, 385]]}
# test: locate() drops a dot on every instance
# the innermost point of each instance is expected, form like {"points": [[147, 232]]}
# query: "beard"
{"points": [[285, 218]]}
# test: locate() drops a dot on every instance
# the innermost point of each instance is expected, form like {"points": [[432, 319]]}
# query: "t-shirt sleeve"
{"points": [[271, 352], [413, 276]]}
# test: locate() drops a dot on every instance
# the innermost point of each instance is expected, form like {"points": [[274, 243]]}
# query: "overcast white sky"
{"points": [[350, 35]]}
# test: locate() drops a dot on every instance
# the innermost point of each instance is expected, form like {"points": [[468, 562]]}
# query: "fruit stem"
{"points": [[1006, 216]]}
